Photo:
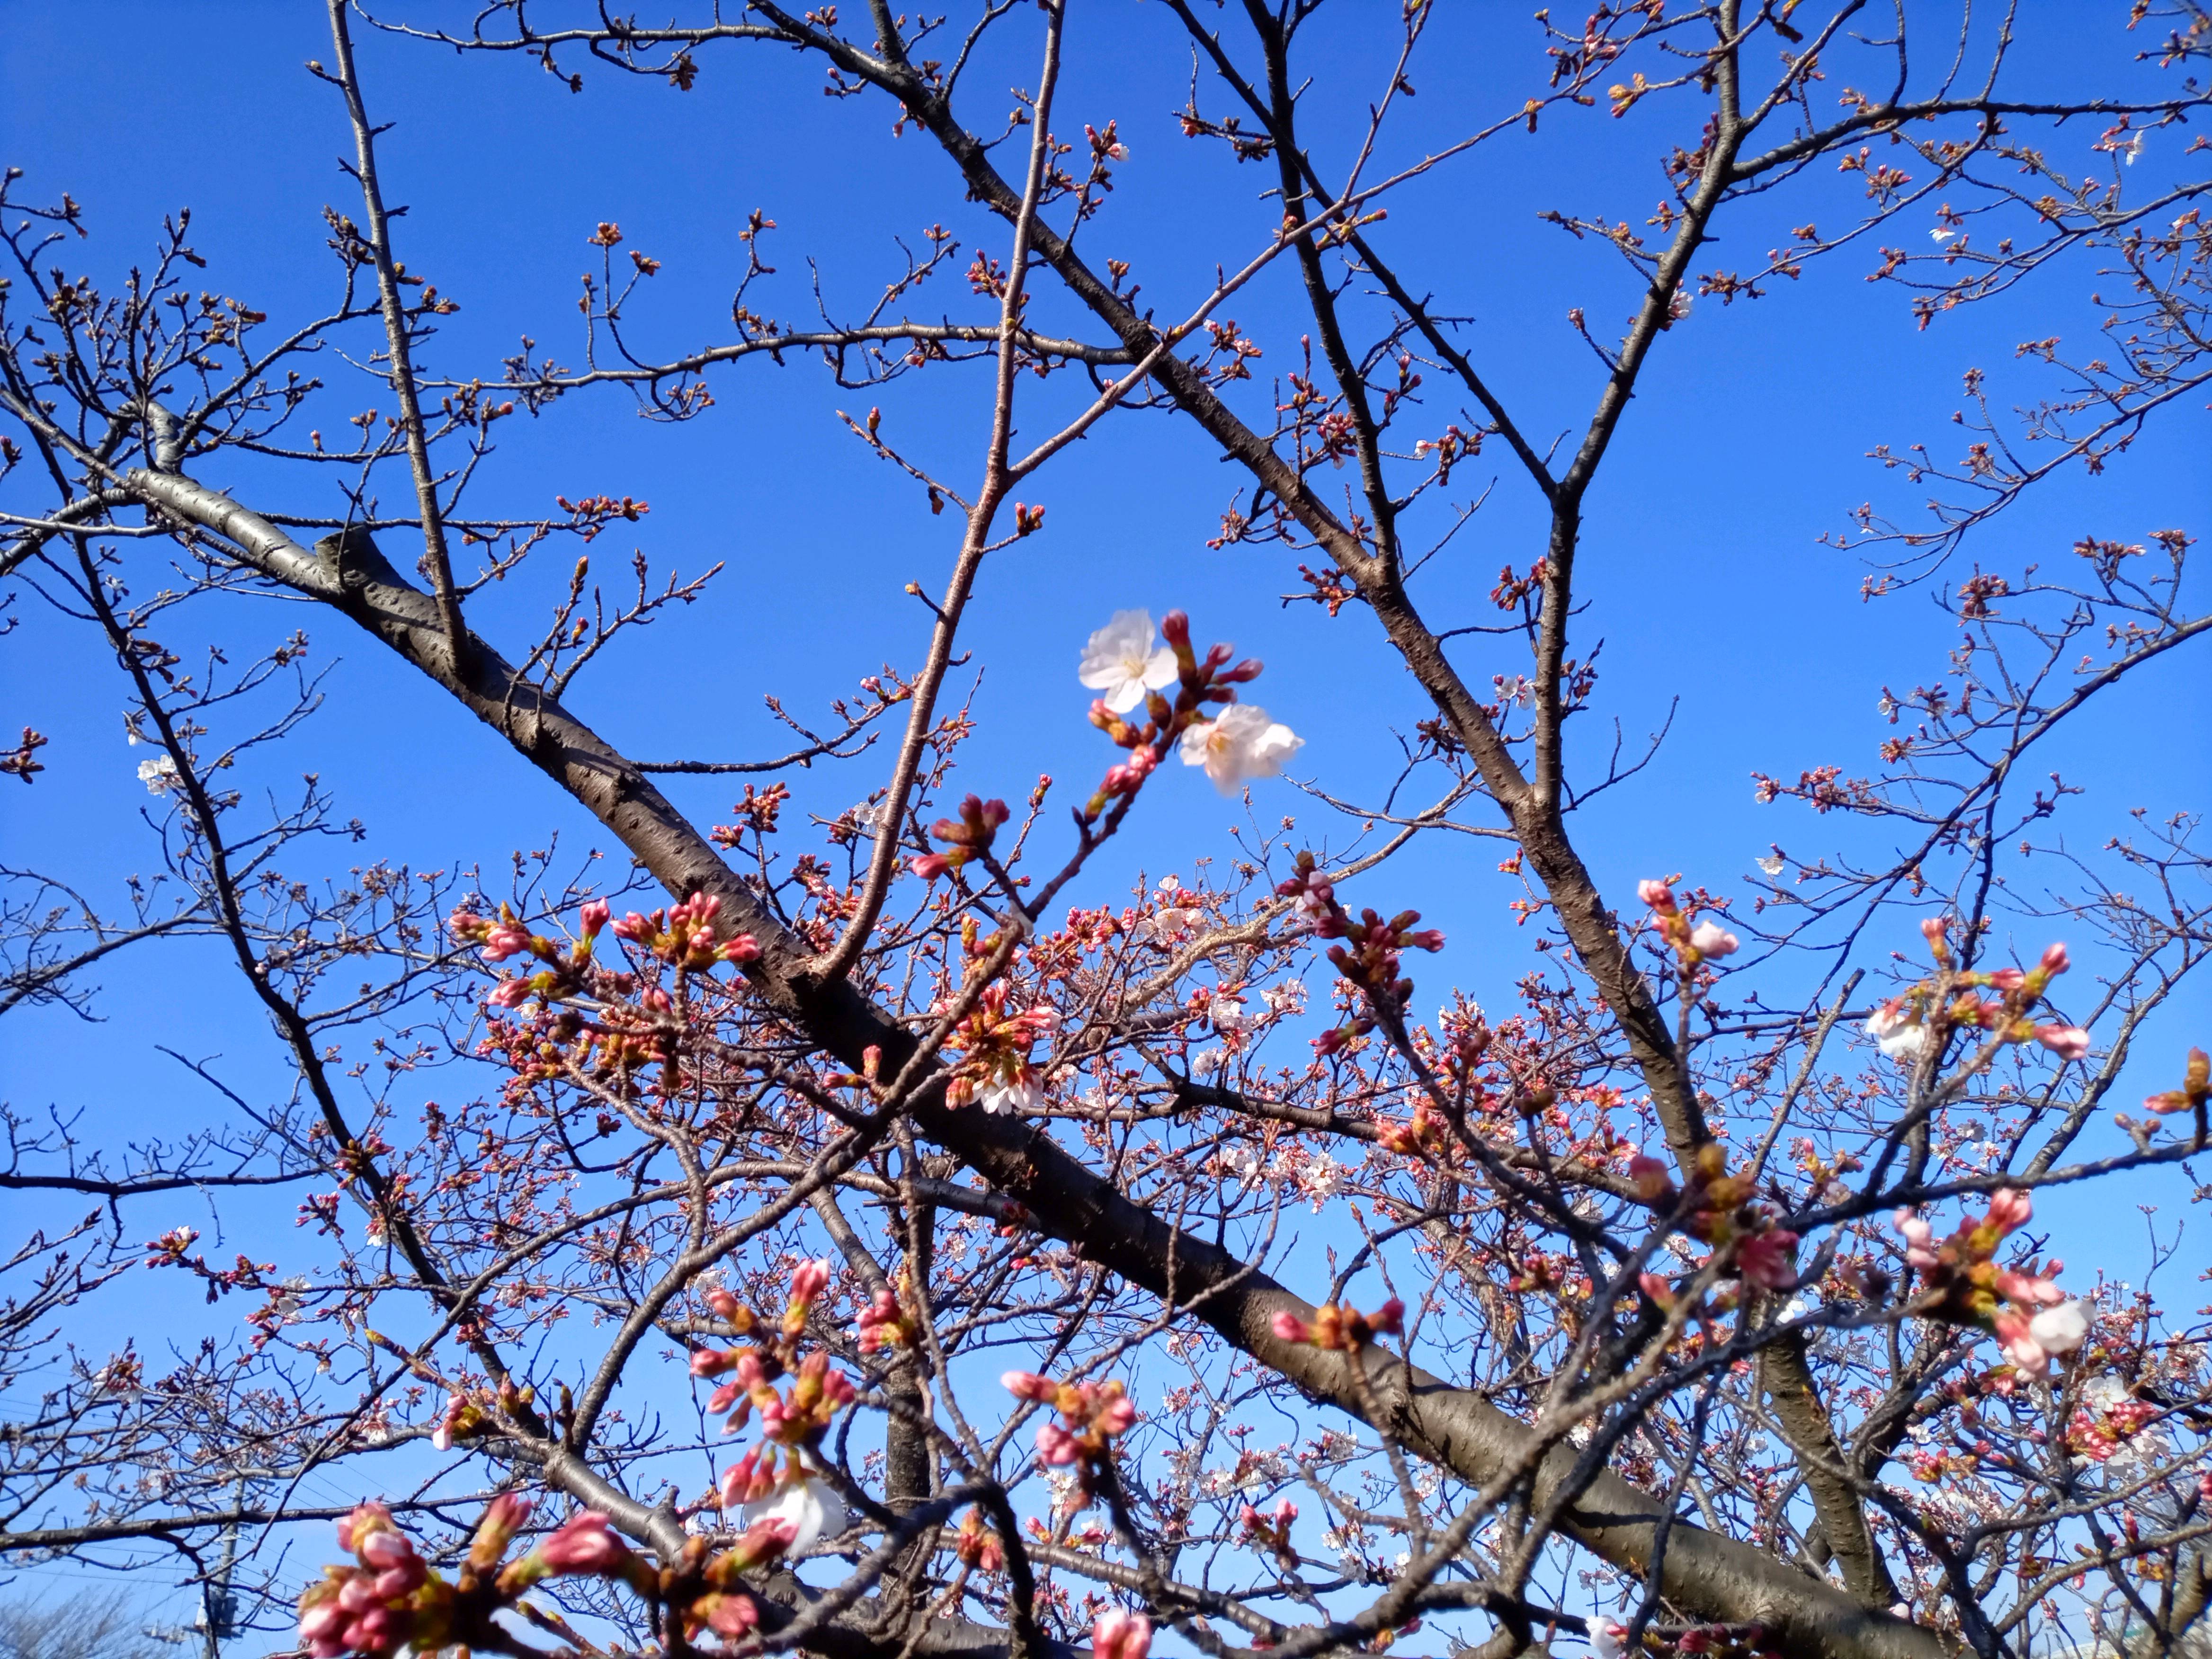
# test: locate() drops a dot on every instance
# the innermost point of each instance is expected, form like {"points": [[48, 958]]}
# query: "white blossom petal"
{"points": [[1124, 660], [811, 1506], [1239, 744]]}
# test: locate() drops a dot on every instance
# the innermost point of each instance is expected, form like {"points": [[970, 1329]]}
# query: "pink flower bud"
{"points": [[1175, 628], [2010, 1209], [729, 1613], [635, 928], [2055, 959], [743, 950], [508, 993], [1117, 1416], [583, 1543], [1055, 1445], [711, 1362], [1657, 894], [2029, 1357], [367, 1518], [1028, 1385], [1290, 1328], [1121, 1635], [383, 1551], [930, 866], [596, 915], [1710, 940], [723, 1304], [2067, 1042], [808, 1281], [505, 939], [2007, 980], [322, 1618]]}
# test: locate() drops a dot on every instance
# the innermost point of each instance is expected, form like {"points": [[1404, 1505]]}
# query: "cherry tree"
{"points": [[869, 1236]]}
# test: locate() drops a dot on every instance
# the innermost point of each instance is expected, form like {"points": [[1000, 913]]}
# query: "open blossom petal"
{"points": [[1124, 660], [1020, 1096], [1238, 743], [1711, 939], [158, 775], [811, 1506], [1898, 1036], [2061, 1329]]}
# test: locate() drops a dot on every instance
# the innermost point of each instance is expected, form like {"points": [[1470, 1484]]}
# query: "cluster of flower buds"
{"points": [[1123, 662], [686, 935], [1369, 958], [1902, 1026], [1092, 1416], [683, 936], [1118, 1635], [1423, 1135], [1693, 941], [391, 1597], [502, 938], [817, 1393], [1341, 1329], [978, 1547], [1721, 1211], [995, 1043], [971, 837], [2196, 1088], [467, 1416], [1271, 1531], [2101, 1428], [2023, 1306], [885, 1323]]}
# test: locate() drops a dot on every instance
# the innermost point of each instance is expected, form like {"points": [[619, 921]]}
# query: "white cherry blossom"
{"points": [[1124, 660], [1021, 1096], [810, 1505], [2061, 1329], [1898, 1037], [1238, 743], [158, 775]]}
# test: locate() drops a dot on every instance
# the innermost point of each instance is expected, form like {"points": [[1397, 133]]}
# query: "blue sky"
{"points": [[1701, 562]]}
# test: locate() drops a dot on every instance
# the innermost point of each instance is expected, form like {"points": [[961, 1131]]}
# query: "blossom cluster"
{"points": [[1125, 664], [1693, 941], [1903, 1026], [1341, 1330], [2022, 1306], [390, 1597], [784, 1503], [995, 1043], [1093, 1415], [685, 935], [1369, 958], [2196, 1088], [1721, 1210]]}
